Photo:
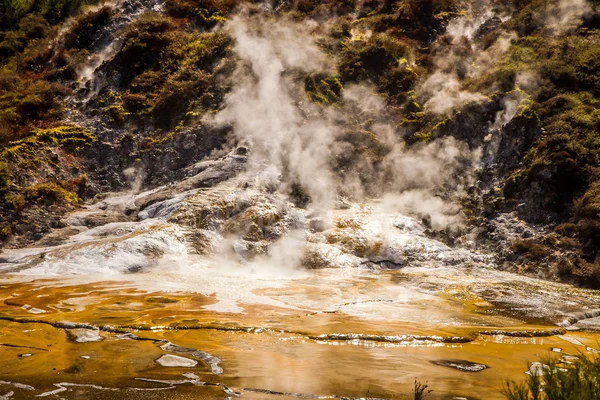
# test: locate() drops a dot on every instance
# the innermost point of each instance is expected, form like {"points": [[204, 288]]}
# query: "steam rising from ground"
{"points": [[423, 177], [294, 142], [444, 92], [264, 112], [135, 176], [564, 15], [461, 54], [510, 105]]}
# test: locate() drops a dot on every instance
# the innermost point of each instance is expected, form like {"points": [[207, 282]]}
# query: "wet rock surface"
{"points": [[461, 365], [239, 217], [211, 360], [169, 360], [80, 335], [588, 324], [176, 327]]}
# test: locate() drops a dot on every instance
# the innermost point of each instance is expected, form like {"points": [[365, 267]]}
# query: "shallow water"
{"points": [[328, 333]]}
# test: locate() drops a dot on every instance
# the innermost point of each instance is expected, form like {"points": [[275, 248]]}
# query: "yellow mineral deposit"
{"points": [[363, 335]]}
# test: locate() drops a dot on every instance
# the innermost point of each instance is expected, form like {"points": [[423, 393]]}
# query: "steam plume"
{"points": [[565, 15], [294, 141]]}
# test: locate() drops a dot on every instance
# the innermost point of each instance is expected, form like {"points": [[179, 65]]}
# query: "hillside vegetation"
{"points": [[530, 72]]}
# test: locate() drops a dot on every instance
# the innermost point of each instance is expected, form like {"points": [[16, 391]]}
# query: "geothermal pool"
{"points": [[129, 309]]}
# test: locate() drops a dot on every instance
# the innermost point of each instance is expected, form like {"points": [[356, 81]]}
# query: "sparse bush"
{"points": [[530, 248], [4, 175], [11, 43], [559, 382], [420, 391], [34, 26], [203, 13], [84, 31], [48, 193], [208, 17], [24, 101], [323, 89], [135, 103], [177, 79], [67, 137], [143, 43], [174, 100]]}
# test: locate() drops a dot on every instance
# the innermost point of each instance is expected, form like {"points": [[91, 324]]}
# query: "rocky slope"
{"points": [[479, 118]]}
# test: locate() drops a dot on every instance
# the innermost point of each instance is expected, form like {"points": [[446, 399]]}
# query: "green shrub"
{"points": [[208, 18], [34, 26], [29, 28], [12, 42], [24, 101], [27, 152], [365, 60], [67, 137], [5, 180], [135, 102], [322, 88], [48, 193], [16, 200], [204, 13], [178, 78], [559, 382], [177, 95], [13, 11]]}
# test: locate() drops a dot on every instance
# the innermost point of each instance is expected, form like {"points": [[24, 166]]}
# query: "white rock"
{"points": [[83, 335], [537, 369], [169, 360], [571, 340], [592, 350]]}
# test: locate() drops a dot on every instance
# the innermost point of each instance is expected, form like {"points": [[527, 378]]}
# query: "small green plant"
{"points": [[323, 89], [553, 381]]}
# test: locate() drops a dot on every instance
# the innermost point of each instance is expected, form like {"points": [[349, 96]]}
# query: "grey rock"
{"points": [[461, 365]]}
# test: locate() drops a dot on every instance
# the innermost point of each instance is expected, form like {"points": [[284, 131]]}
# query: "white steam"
{"points": [[296, 142], [528, 81], [135, 177], [469, 25], [459, 55], [510, 105], [445, 93], [264, 112], [425, 175], [565, 15]]}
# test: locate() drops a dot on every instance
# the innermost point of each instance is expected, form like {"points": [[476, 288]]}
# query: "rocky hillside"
{"points": [[493, 105]]}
